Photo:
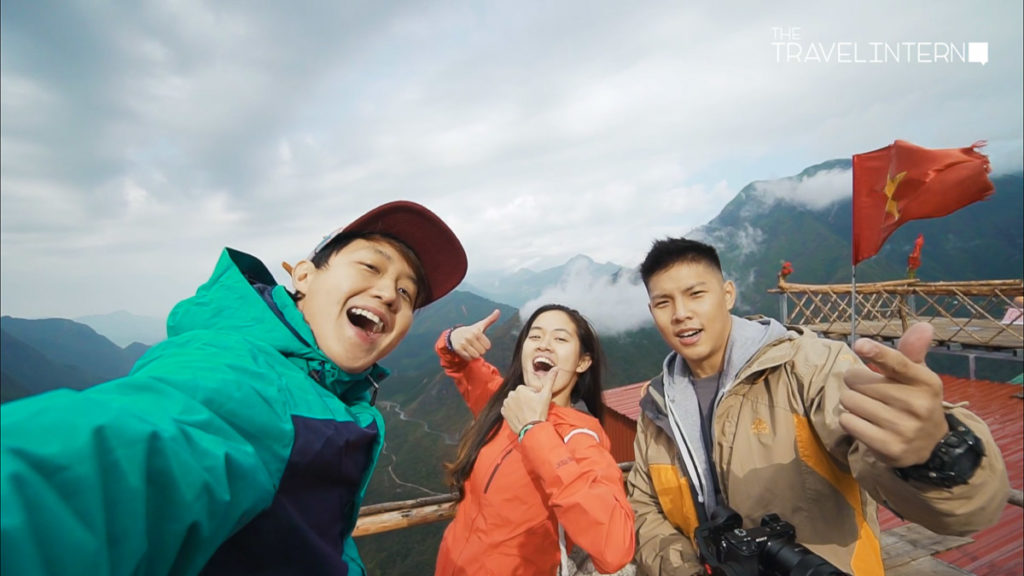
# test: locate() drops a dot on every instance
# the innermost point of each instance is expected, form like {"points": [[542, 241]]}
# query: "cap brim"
{"points": [[438, 249]]}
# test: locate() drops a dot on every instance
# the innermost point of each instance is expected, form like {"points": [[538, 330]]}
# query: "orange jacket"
{"points": [[518, 493]]}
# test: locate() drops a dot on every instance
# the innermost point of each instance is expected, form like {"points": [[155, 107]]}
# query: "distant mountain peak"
{"points": [[834, 164], [523, 285], [814, 188], [580, 259], [807, 219], [124, 328]]}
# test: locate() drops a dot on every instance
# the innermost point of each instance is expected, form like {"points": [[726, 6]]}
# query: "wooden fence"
{"points": [[980, 314]]}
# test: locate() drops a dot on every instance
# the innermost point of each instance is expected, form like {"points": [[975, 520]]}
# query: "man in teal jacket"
{"points": [[243, 443]]}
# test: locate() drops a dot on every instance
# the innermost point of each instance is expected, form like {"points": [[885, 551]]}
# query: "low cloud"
{"points": [[814, 192], [612, 303], [738, 241]]}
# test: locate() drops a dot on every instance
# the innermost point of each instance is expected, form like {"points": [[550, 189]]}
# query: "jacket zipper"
{"points": [[496, 466]]}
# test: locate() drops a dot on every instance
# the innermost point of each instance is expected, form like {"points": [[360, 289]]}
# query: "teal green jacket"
{"points": [[233, 447]]}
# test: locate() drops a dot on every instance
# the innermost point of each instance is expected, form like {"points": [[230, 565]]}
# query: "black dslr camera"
{"points": [[728, 549]]}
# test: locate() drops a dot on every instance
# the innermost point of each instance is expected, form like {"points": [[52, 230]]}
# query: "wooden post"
{"points": [[903, 311], [404, 518]]}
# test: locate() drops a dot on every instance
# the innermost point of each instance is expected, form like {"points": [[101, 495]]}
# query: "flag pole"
{"points": [[853, 304], [853, 253]]}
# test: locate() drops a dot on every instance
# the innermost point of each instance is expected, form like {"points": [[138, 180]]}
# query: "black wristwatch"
{"points": [[953, 461]]}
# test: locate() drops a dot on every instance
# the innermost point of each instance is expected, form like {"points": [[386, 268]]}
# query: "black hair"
{"points": [[323, 257], [668, 252], [587, 388]]}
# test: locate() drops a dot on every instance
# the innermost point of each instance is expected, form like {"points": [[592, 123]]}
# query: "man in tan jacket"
{"points": [[766, 419]]}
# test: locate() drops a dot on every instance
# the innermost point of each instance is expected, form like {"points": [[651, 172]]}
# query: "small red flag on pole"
{"points": [[914, 259], [904, 182]]}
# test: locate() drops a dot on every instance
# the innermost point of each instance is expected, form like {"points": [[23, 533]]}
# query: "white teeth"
{"points": [[543, 361], [378, 324], [688, 334]]}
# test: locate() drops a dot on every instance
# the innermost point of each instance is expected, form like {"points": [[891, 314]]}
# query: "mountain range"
{"points": [[124, 328], [758, 230], [41, 355], [754, 233], [523, 285]]}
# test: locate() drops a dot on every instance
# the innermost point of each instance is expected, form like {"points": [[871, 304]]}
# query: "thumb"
{"points": [[490, 320], [547, 382], [916, 341]]}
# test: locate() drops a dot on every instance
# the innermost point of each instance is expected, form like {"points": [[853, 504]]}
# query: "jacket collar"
{"points": [[241, 297], [774, 352], [361, 386]]}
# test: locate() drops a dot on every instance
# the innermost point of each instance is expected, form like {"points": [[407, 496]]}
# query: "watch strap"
{"points": [[952, 462]]}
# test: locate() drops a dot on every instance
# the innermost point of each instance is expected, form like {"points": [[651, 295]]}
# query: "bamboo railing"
{"points": [[970, 314]]}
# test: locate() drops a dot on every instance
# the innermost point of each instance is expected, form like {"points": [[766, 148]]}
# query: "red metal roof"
{"points": [[625, 400], [996, 551]]}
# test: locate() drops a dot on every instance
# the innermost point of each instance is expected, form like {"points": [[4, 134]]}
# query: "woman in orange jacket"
{"points": [[534, 475]]}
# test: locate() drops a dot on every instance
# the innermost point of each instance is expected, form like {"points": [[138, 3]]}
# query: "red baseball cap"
{"points": [[433, 242]]}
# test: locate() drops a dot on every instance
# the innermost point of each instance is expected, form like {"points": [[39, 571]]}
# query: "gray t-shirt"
{"points": [[706, 389]]}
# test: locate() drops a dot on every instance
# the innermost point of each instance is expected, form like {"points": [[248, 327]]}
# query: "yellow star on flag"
{"points": [[891, 207]]}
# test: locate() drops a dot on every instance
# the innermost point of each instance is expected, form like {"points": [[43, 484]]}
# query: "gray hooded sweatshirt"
{"points": [[745, 339]]}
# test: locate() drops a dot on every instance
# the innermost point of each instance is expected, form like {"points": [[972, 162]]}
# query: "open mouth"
{"points": [[542, 365], [688, 333], [365, 320]]}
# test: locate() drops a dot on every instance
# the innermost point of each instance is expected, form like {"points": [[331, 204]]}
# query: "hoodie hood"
{"points": [[746, 338], [243, 298]]}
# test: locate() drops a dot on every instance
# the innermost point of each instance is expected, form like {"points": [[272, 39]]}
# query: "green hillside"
{"points": [[68, 345], [754, 236], [42, 355]]}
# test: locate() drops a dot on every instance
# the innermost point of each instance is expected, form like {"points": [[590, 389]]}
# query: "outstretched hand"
{"points": [[471, 342], [529, 403], [898, 412]]}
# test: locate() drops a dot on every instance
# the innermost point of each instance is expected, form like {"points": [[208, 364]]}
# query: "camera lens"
{"points": [[796, 560]]}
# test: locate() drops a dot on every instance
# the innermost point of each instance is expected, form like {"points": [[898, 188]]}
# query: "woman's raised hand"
{"points": [[528, 404], [471, 342]]}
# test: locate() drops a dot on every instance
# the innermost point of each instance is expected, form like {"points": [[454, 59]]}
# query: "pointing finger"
{"points": [[861, 380], [897, 365], [489, 320], [860, 376]]}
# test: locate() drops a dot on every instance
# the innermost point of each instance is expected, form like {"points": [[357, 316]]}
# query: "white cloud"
{"points": [[158, 133], [612, 304], [814, 192], [739, 240]]}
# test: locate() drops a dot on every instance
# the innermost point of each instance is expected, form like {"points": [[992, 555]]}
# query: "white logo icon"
{"points": [[977, 52]]}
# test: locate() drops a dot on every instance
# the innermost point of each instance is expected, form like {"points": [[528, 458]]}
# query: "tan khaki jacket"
{"points": [[778, 447]]}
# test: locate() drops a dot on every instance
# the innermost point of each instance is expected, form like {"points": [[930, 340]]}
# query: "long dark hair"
{"points": [[487, 424]]}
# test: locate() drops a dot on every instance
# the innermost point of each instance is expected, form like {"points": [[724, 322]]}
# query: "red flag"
{"points": [[904, 182], [914, 260]]}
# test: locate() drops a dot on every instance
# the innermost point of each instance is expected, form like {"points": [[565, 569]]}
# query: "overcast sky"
{"points": [[139, 138]]}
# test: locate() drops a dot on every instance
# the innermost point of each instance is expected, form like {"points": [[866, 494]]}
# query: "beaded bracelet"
{"points": [[527, 426], [448, 337]]}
